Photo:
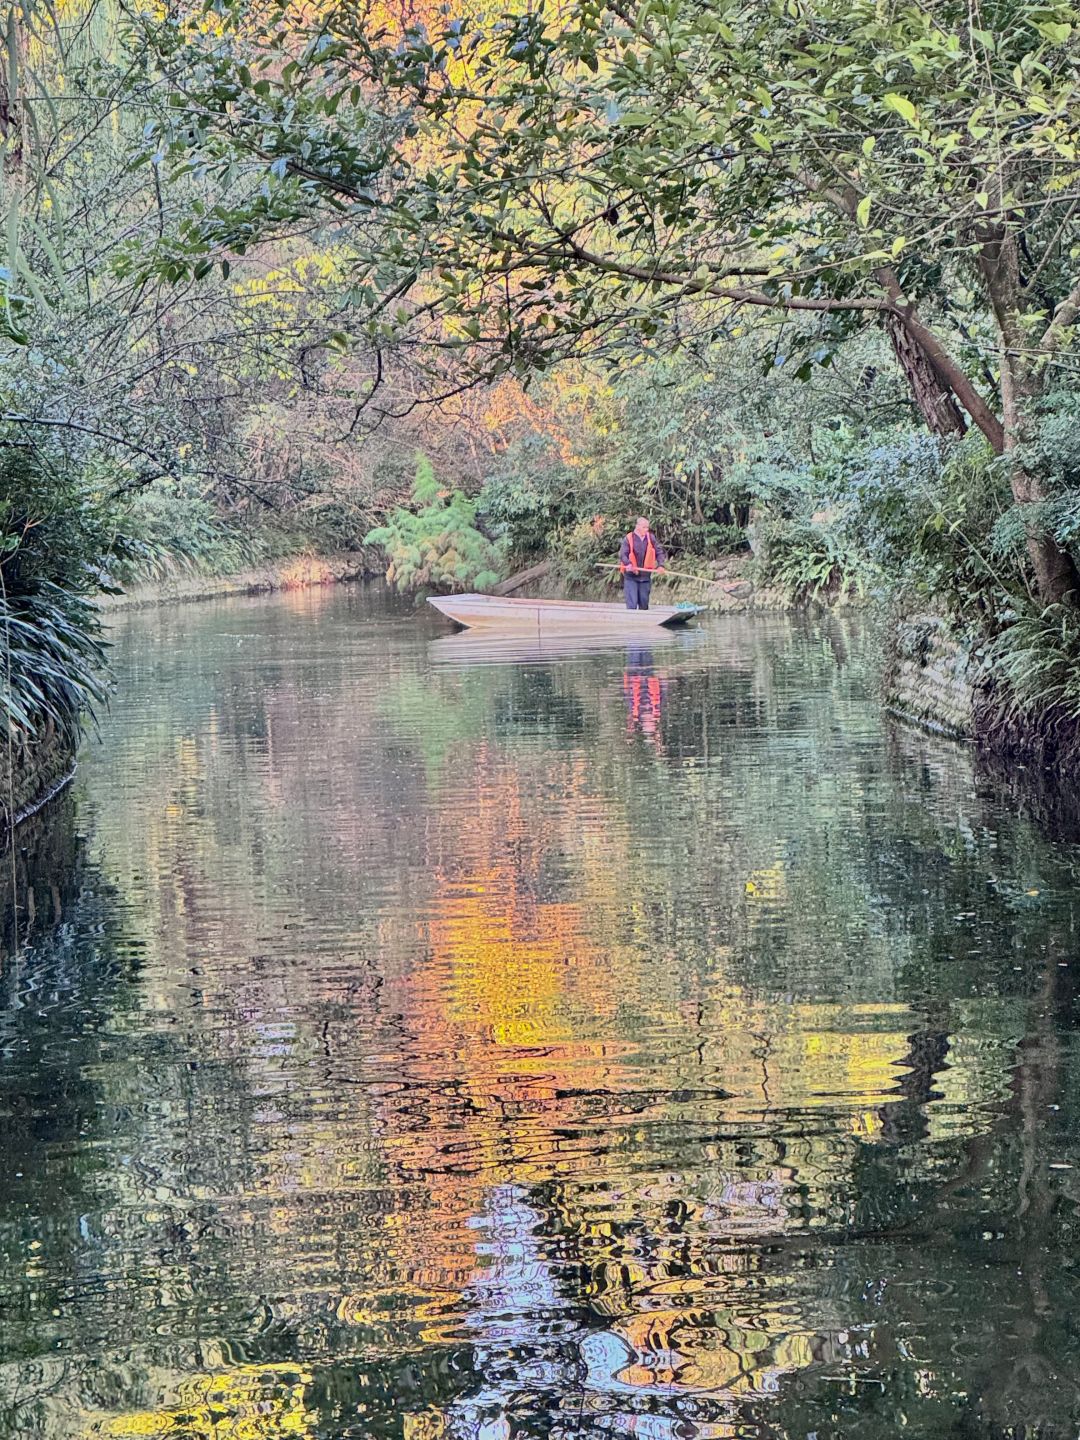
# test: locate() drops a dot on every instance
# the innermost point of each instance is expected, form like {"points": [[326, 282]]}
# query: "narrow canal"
{"points": [[414, 1039]]}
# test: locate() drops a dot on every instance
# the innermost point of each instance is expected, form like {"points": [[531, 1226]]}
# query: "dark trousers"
{"points": [[636, 589]]}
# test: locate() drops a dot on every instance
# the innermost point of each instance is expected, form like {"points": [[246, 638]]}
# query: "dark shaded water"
{"points": [[409, 1040]]}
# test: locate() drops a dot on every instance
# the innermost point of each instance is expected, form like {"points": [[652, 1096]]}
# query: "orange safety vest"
{"points": [[650, 554]]}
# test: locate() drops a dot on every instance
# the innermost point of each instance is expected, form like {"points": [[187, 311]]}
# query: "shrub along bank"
{"points": [[54, 536]]}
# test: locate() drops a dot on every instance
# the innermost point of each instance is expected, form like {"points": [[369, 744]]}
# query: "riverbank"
{"points": [[727, 585], [296, 572], [931, 676], [32, 772]]}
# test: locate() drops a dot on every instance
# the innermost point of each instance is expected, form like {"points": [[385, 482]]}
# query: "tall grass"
{"points": [[170, 528], [55, 536], [1035, 661], [52, 665]]}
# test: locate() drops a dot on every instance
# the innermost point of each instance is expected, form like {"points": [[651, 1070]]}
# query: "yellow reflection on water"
{"points": [[500, 978], [252, 1402]]}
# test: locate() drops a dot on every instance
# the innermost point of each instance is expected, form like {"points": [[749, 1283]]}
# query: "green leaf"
{"points": [[862, 214], [1055, 31], [901, 105]]}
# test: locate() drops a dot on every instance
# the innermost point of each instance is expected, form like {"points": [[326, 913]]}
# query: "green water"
{"points": [[412, 1038]]}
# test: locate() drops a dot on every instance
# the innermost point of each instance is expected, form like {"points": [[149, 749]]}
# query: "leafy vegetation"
{"points": [[52, 538], [643, 173], [437, 544], [802, 277], [813, 562], [1038, 658], [154, 424]]}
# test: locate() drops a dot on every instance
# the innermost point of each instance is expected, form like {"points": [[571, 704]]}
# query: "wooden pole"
{"points": [[682, 575]]}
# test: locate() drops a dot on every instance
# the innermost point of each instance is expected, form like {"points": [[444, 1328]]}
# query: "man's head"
{"points": [[642, 526]]}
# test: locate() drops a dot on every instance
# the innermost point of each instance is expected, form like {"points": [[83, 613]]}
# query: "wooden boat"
{"points": [[507, 616]]}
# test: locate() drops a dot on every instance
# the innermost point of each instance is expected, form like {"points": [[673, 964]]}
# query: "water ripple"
{"points": [[430, 1037]]}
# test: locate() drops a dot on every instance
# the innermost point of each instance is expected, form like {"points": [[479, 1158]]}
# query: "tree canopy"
{"points": [[595, 179], [260, 254]]}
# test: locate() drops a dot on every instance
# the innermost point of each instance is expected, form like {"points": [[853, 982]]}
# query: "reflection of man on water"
{"points": [[643, 691], [641, 556]]}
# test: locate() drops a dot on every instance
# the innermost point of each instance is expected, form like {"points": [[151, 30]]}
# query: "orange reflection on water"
{"points": [[643, 692]]}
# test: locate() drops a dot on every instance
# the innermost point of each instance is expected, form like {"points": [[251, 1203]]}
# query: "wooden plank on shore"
{"points": [[515, 582]]}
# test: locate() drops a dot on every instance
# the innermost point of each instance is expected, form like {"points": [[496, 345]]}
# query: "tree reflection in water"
{"points": [[397, 1051]]}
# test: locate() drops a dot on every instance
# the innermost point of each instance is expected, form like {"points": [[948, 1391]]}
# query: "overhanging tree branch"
{"points": [[164, 469], [738, 294], [947, 367]]}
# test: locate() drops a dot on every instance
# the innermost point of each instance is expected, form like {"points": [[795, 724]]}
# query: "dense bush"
{"points": [[1036, 661], [928, 513], [584, 545], [55, 537], [811, 561], [172, 526], [529, 496], [904, 512], [696, 441], [437, 543]]}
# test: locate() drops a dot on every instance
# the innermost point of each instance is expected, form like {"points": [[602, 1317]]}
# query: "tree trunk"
{"points": [[12, 55], [1055, 570], [1056, 574], [523, 577], [948, 370], [934, 396]]}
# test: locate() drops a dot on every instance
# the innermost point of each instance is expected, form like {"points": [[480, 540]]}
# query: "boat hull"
{"points": [[584, 617]]}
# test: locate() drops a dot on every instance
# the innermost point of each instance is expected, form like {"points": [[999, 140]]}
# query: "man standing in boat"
{"points": [[641, 556]]}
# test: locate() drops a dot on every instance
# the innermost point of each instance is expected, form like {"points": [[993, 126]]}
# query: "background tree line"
{"points": [[810, 261]]}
